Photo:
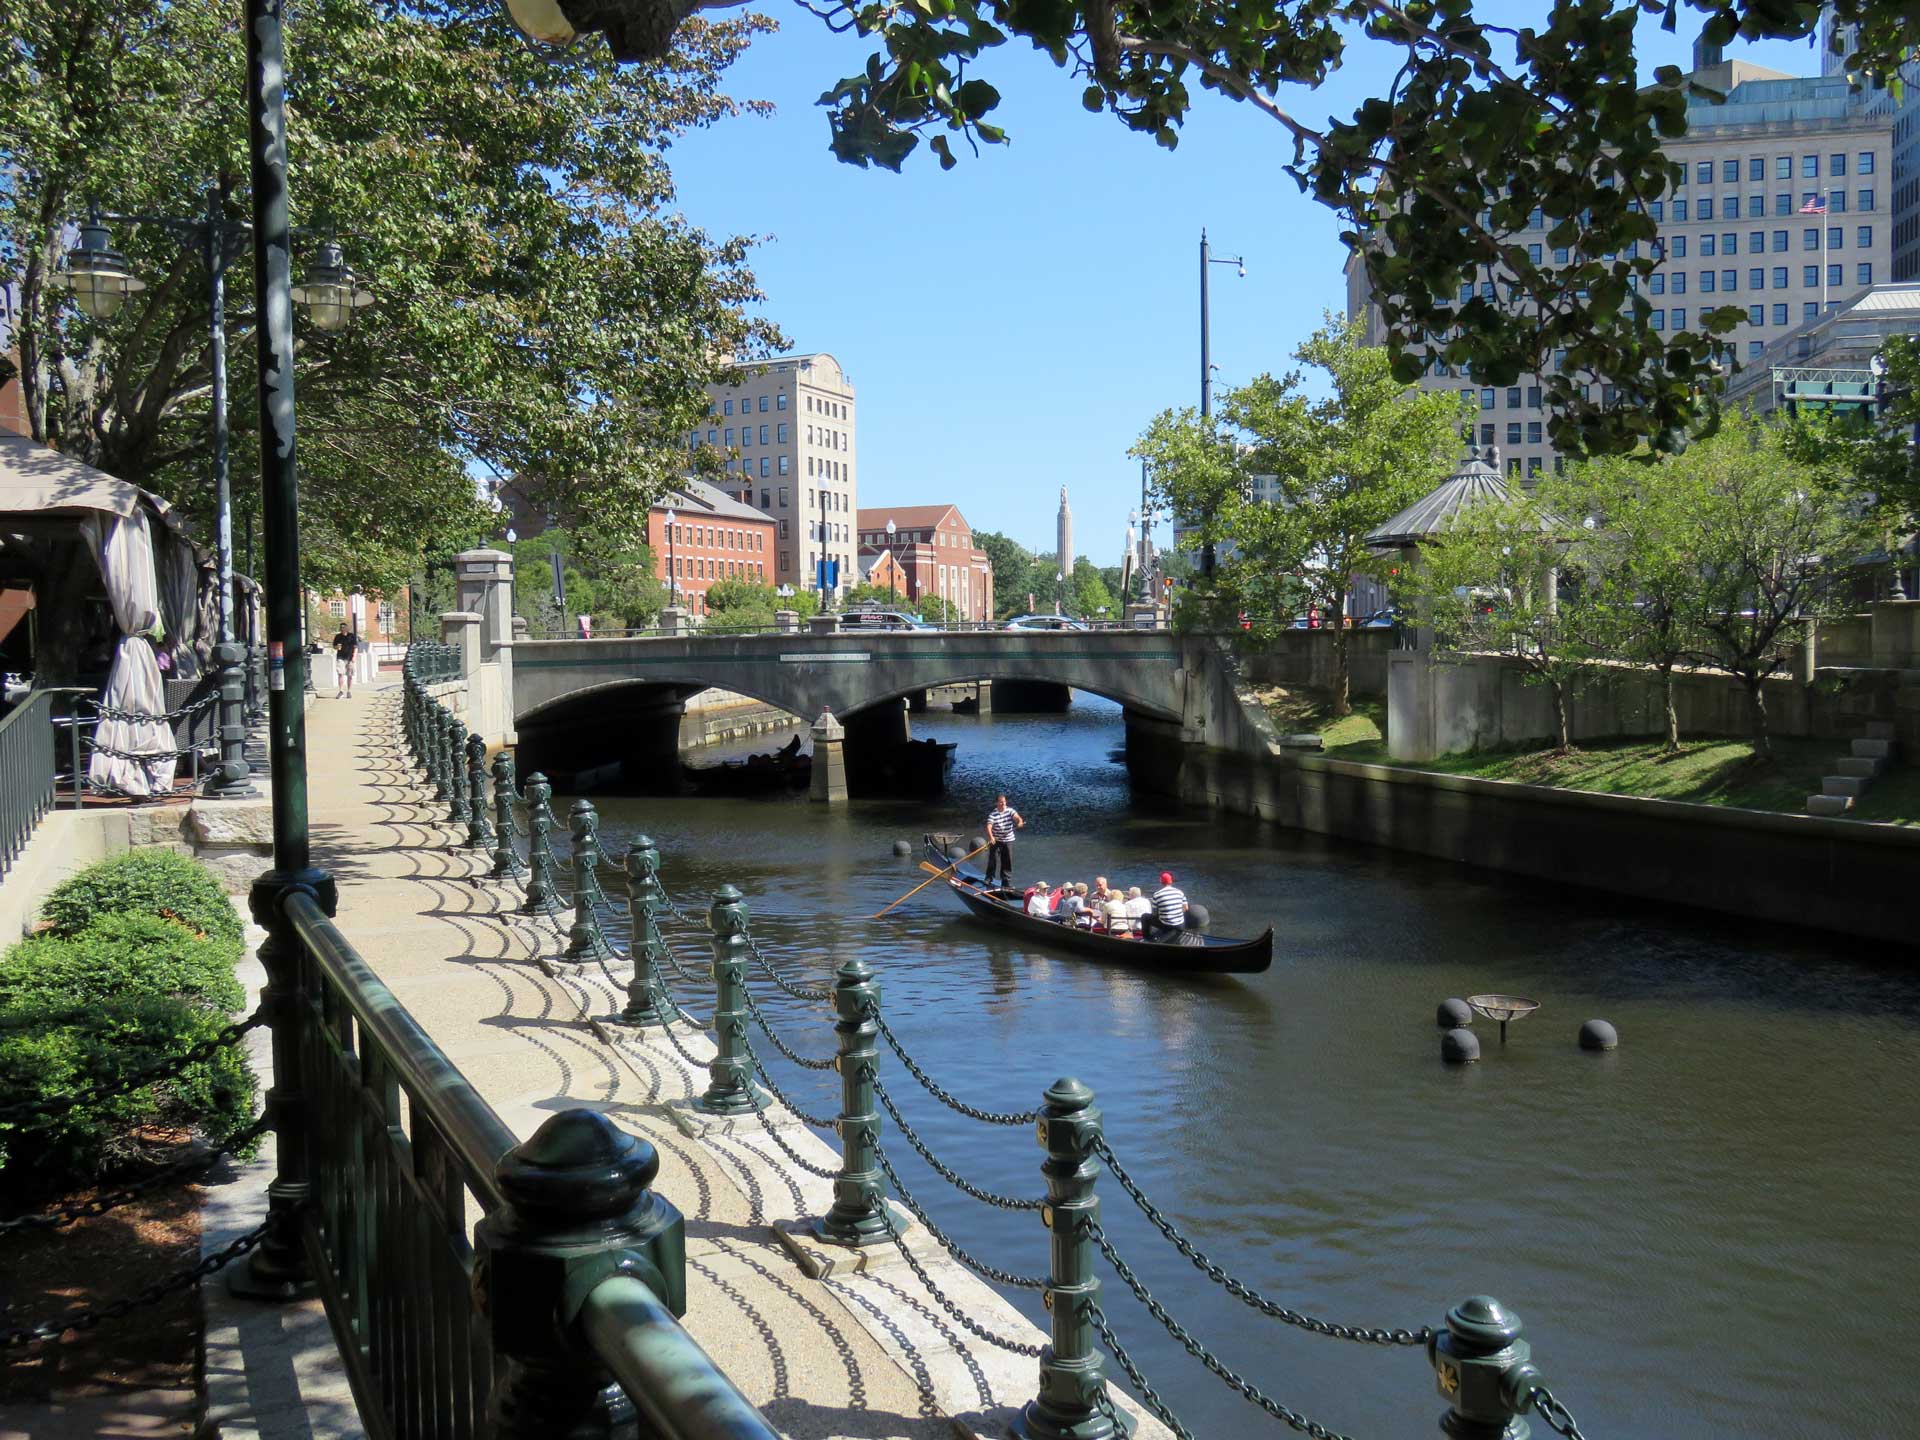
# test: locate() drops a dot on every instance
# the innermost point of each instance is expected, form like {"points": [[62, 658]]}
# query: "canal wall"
{"points": [[1305, 658], [1838, 875], [714, 717]]}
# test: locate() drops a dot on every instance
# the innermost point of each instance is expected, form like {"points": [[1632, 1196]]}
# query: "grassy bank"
{"points": [[1704, 772]]}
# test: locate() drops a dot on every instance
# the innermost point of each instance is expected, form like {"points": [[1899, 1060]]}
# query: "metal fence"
{"points": [[26, 773]]}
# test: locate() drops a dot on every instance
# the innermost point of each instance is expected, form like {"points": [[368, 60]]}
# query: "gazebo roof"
{"points": [[1477, 481]]}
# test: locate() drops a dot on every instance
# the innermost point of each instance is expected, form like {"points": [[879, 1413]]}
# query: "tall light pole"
{"points": [[673, 571], [101, 281], [1206, 358], [893, 587]]}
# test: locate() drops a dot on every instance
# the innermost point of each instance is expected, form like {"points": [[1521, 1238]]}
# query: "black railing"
{"points": [[26, 772]]}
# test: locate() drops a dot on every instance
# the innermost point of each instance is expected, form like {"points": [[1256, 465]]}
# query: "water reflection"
{"points": [[1707, 1232]]}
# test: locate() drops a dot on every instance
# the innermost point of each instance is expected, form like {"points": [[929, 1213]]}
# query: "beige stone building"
{"points": [[1740, 231], [787, 432]]}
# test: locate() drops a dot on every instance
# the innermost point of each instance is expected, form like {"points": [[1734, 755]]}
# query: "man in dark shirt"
{"points": [[344, 646]]}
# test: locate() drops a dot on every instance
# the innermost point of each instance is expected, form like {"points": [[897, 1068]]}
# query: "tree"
{"points": [[1875, 453], [746, 604], [541, 312], [1010, 561], [1484, 125], [1087, 593], [1342, 465], [1496, 579], [1642, 556], [1775, 535]]}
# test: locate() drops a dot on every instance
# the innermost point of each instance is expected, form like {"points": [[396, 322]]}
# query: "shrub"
{"points": [[155, 882], [118, 955]]}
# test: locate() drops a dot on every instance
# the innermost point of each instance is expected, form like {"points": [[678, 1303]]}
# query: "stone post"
{"points": [[644, 1000], [584, 940], [506, 859], [858, 1216], [673, 620], [479, 836], [823, 624], [787, 622], [983, 697], [1484, 1372], [461, 630], [730, 1088], [579, 1210], [539, 849], [1072, 1403], [486, 590], [829, 760]]}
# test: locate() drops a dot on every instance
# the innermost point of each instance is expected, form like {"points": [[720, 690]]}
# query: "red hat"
{"points": [[1166, 877]]}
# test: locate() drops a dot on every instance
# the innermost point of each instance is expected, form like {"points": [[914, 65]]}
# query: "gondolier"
{"points": [[1169, 915], [1002, 821]]}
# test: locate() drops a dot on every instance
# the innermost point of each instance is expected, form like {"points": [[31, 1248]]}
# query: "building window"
{"points": [[1757, 242], [1757, 167], [1513, 432], [1536, 220], [1680, 207], [1863, 238], [1486, 434], [1836, 165], [1756, 279], [1559, 254], [1863, 200], [1680, 283], [786, 533], [1783, 204], [1810, 310], [1534, 254], [1756, 348], [1780, 239], [1864, 273], [729, 435], [1810, 275], [1783, 167], [1513, 397], [783, 499], [1486, 402], [1837, 203], [763, 404], [766, 497], [1865, 166], [1809, 167], [746, 437], [1756, 314], [1729, 244], [727, 408], [1706, 282], [1703, 209], [1533, 396], [1779, 314], [1780, 279], [1836, 237], [1680, 319], [1703, 171], [766, 466], [1679, 243], [780, 401], [1810, 238], [713, 437], [780, 432], [1730, 171], [785, 463], [1707, 243], [1756, 206], [1659, 319], [1658, 209]]}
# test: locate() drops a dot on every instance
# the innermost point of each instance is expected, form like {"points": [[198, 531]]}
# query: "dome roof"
{"points": [[1477, 481]]}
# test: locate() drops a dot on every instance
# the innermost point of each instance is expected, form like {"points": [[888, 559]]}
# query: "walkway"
{"points": [[861, 1355]]}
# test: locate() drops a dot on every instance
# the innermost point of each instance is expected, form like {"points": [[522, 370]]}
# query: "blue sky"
{"points": [[1011, 325]]}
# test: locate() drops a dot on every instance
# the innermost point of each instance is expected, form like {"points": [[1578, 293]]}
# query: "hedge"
{"points": [[137, 967]]}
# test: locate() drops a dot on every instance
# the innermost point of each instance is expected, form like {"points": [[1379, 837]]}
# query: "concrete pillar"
{"points": [[917, 701], [673, 620], [461, 629], [787, 622], [983, 692], [823, 624], [829, 760], [1896, 634], [521, 629], [1410, 705], [485, 579]]}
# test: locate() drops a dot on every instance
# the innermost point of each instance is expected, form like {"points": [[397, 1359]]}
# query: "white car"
{"points": [[1044, 622]]}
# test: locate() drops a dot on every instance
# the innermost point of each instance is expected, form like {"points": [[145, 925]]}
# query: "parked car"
{"points": [[883, 620], [1044, 622]]}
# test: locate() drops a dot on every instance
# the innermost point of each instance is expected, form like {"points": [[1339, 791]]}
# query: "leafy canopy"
{"points": [[540, 313], [1483, 124]]}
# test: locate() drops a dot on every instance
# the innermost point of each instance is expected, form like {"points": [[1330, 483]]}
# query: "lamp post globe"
{"points": [[97, 274], [331, 293]]}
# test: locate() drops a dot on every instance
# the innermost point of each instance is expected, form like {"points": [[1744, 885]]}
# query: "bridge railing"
{"points": [[1481, 1366], [842, 627]]}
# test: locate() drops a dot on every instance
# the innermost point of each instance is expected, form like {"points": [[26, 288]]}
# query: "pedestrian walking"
{"points": [[345, 645]]}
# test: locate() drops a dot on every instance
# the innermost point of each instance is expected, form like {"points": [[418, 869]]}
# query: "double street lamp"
{"points": [[1208, 258], [100, 281], [893, 565]]}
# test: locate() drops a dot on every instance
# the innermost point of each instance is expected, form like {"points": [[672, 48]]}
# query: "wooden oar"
{"points": [[924, 865]]}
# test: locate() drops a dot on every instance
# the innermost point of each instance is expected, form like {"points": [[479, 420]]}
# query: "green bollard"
{"points": [[1072, 1403], [539, 849], [584, 940], [730, 1088], [479, 834], [506, 860], [858, 1216], [436, 723], [646, 1002], [456, 771], [1484, 1372]]}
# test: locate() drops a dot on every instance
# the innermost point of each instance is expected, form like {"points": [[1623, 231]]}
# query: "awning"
{"points": [[35, 479]]}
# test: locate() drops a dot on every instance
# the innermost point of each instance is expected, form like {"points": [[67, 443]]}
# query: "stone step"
{"points": [[1829, 804], [1848, 785], [1873, 749], [1859, 765], [1879, 730]]}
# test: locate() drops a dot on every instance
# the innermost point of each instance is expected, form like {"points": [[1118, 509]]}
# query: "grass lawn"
{"points": [[1704, 772]]}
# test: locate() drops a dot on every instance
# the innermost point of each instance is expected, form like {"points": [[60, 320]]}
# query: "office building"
{"points": [[787, 432], [1903, 113], [1783, 211], [714, 537], [933, 547]]}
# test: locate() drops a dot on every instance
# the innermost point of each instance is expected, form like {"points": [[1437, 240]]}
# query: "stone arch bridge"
{"points": [[596, 701]]}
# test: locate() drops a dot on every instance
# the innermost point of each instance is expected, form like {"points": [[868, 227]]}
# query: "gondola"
{"points": [[1193, 953]]}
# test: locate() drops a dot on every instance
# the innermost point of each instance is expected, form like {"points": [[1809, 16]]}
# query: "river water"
{"points": [[1709, 1232]]}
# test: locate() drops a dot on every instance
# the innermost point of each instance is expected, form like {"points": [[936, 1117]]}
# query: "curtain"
{"points": [[123, 548], [364, 665]]}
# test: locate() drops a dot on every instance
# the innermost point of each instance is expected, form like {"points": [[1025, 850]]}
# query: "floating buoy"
{"points": [[1460, 1046], [1598, 1035], [903, 847], [1453, 1015], [1198, 918], [979, 842]]}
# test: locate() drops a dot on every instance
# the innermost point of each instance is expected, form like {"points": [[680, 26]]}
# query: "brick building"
{"points": [[714, 538], [933, 547]]}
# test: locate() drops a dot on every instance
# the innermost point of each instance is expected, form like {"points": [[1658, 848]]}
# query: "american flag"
{"points": [[1816, 205]]}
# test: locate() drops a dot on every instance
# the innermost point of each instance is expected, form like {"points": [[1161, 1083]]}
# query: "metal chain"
{"points": [[1148, 1395], [991, 1117], [760, 1019], [986, 1197], [666, 949], [113, 1199], [1238, 1289], [972, 1326], [947, 1243], [165, 717], [158, 1291], [165, 1069], [792, 1154], [824, 1122], [1246, 1389], [799, 992], [1553, 1414]]}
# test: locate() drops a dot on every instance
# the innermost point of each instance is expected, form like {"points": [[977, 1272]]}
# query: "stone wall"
{"points": [[1305, 658]]}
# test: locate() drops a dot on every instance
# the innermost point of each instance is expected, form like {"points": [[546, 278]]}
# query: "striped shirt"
{"points": [[1000, 824], [1170, 905]]}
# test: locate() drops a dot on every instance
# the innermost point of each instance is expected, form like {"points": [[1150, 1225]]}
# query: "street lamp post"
{"points": [[673, 571], [1206, 358], [893, 588], [101, 281], [1059, 578]]}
